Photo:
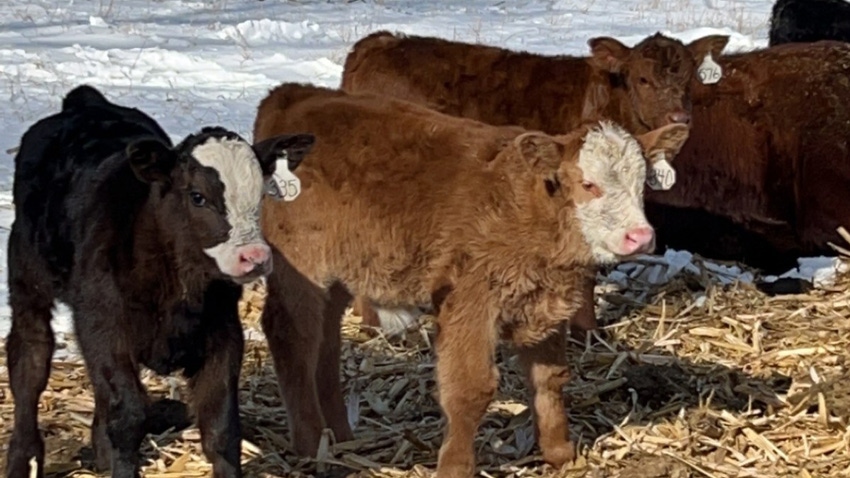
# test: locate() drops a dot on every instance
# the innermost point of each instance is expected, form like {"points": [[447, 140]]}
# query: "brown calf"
{"points": [[640, 88], [495, 227]]}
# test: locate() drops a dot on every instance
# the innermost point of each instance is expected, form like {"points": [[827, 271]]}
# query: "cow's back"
{"points": [[72, 163], [378, 183], [485, 83]]}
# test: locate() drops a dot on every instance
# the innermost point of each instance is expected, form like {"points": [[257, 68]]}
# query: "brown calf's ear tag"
{"points": [[709, 71], [660, 176], [284, 184]]}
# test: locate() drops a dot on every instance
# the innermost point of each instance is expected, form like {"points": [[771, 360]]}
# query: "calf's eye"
{"points": [[197, 198], [591, 188], [644, 81]]}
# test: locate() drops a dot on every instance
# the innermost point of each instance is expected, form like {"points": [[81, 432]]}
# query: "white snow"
{"points": [[193, 63]]}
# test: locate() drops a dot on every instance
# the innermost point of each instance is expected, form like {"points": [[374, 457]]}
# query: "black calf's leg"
{"points": [[215, 387], [100, 442], [29, 348], [120, 396]]}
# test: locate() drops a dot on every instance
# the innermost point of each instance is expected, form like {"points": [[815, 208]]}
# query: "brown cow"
{"points": [[495, 227], [640, 88], [765, 175]]}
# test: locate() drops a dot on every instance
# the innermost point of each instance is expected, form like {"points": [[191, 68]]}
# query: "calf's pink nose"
{"points": [[252, 255], [639, 240]]}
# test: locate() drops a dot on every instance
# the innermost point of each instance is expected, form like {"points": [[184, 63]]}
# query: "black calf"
{"points": [[148, 244]]}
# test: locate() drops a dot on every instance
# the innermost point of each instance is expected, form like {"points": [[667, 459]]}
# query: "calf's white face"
{"points": [[211, 188], [239, 172], [614, 167]]}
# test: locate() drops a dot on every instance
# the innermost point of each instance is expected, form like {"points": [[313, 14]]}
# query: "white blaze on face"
{"points": [[239, 170], [613, 160]]}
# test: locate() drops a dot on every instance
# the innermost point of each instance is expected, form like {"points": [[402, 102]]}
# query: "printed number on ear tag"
{"points": [[709, 71], [661, 176], [284, 184]]}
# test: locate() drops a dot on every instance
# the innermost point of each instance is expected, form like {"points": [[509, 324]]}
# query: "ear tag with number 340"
{"points": [[283, 183], [660, 176]]}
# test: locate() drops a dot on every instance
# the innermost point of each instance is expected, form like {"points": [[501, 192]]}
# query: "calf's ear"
{"points": [[713, 44], [294, 146], [151, 160], [540, 150], [608, 54], [664, 142]]}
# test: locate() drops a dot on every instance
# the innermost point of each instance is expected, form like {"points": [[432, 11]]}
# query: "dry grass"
{"points": [[691, 380]]}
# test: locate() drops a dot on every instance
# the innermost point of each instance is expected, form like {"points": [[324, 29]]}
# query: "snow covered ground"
{"points": [[192, 63]]}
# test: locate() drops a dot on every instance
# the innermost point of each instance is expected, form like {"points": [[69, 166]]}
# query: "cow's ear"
{"points": [[608, 54], [713, 44], [151, 160], [542, 152], [664, 142], [293, 146]]}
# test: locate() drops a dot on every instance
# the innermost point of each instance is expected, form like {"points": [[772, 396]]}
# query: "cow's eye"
{"points": [[197, 198], [643, 81]]}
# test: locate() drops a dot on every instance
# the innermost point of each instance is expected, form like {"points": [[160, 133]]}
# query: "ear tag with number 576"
{"points": [[284, 184], [709, 71]]}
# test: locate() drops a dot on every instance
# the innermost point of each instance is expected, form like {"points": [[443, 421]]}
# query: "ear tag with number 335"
{"points": [[283, 183]]}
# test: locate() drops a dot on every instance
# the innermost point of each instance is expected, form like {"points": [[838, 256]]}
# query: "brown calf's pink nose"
{"points": [[252, 255], [681, 117], [640, 240]]}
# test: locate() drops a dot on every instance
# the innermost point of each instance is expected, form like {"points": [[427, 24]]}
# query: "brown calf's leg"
{"points": [[584, 319], [363, 308], [546, 368], [29, 349], [215, 388], [467, 378], [328, 376], [292, 322]]}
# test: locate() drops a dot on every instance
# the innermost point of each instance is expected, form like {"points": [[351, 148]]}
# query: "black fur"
{"points": [[806, 21], [103, 223]]}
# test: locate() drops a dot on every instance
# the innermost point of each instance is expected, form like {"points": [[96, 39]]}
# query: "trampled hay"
{"points": [[688, 379]]}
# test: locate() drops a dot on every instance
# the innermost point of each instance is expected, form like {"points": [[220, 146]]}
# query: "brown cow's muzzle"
{"points": [[678, 116]]}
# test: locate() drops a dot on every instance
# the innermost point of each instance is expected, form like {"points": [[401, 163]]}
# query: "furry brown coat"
{"points": [[643, 87], [495, 227]]}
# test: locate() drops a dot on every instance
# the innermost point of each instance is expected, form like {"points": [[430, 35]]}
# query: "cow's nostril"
{"points": [[252, 256], [639, 239], [680, 117]]}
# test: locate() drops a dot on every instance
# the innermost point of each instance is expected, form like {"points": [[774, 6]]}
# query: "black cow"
{"points": [[148, 244], [806, 21]]}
